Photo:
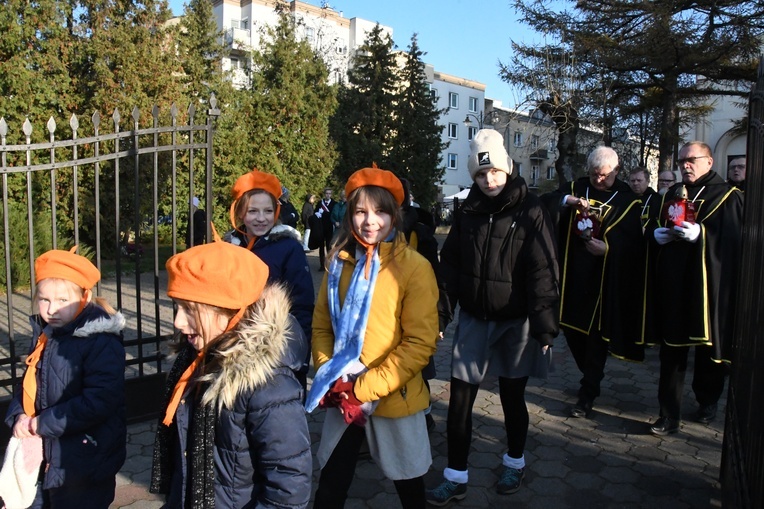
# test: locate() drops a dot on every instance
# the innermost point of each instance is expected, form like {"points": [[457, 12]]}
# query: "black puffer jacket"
{"points": [[499, 261]]}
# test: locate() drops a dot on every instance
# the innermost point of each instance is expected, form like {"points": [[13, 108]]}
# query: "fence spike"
{"points": [[3, 127], [27, 127], [51, 125], [191, 111], [155, 112], [116, 116], [213, 101], [136, 114], [74, 122], [96, 119], [174, 111]]}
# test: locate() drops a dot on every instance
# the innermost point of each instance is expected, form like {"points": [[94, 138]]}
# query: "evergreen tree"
{"points": [[286, 114], [364, 125], [662, 47], [34, 65], [416, 152]]}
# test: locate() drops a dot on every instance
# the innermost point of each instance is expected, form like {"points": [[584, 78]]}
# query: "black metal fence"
{"points": [[118, 196], [743, 451]]}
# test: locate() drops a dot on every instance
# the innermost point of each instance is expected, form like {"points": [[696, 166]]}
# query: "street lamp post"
{"points": [[478, 117], [481, 120]]}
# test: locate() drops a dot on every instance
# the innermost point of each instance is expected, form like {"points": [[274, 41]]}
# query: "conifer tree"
{"points": [[286, 113], [363, 126], [416, 152]]}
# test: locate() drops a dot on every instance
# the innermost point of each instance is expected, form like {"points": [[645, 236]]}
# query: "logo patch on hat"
{"points": [[483, 158]]}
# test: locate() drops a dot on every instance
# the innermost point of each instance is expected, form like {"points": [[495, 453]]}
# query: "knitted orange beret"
{"points": [[376, 177], [67, 265], [219, 274], [255, 179]]}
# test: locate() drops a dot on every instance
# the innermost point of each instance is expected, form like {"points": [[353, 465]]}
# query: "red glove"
{"points": [[342, 395], [352, 413]]}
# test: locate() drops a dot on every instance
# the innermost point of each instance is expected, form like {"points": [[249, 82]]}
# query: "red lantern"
{"points": [[679, 209]]}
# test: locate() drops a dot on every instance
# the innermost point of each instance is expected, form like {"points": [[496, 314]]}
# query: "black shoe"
{"points": [[664, 426], [706, 413], [582, 408]]}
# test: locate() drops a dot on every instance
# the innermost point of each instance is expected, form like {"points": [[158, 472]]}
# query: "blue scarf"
{"points": [[348, 321]]}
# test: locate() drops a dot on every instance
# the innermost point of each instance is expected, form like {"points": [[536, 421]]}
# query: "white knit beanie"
{"points": [[487, 151]]}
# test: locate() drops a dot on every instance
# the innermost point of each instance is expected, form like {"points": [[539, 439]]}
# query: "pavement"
{"points": [[607, 461]]}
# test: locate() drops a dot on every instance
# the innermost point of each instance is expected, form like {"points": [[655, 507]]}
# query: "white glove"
{"points": [[319, 213], [663, 236], [688, 231]]}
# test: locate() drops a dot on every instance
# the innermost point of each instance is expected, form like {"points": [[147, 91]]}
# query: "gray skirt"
{"points": [[496, 348]]}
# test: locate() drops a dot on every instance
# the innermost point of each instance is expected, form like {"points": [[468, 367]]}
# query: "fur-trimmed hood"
{"points": [[267, 338], [112, 324]]}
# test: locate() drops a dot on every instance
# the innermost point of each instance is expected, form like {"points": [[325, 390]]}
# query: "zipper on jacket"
{"points": [[484, 271]]}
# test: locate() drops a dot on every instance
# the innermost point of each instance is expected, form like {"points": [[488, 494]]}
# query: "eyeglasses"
{"points": [[691, 160], [737, 167]]}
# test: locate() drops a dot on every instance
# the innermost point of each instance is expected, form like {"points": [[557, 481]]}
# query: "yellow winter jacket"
{"points": [[401, 333]]}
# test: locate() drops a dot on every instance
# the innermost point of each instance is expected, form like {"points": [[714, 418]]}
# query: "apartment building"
{"points": [[332, 35]]}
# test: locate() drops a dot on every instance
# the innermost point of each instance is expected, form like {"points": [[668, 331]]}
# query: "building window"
{"points": [[235, 63], [452, 130], [453, 100], [534, 174], [244, 24], [434, 94], [551, 145], [550, 173], [534, 142], [235, 23], [473, 104], [518, 139], [471, 132], [310, 34], [518, 167], [453, 159]]}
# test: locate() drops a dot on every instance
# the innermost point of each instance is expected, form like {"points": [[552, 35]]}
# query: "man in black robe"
{"points": [[324, 214], [601, 257], [694, 286], [639, 182]]}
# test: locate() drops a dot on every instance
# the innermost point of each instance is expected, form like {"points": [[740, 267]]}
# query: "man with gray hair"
{"points": [[600, 251]]}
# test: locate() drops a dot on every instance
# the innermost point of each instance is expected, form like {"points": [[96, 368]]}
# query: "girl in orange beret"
{"points": [[232, 389], [374, 329], [72, 399], [255, 218]]}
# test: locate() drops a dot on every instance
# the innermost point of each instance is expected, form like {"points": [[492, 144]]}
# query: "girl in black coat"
{"points": [[499, 264]]}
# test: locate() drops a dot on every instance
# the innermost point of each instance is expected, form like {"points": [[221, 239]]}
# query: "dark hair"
{"points": [[380, 196]]}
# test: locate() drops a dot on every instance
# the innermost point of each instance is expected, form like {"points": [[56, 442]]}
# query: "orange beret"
{"points": [[219, 274], [376, 177], [67, 265], [256, 180]]}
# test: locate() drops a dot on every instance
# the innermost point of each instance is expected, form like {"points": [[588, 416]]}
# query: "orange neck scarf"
{"points": [[29, 383], [182, 383]]}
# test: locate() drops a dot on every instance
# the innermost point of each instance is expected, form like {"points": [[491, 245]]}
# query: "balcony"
{"points": [[237, 38]]}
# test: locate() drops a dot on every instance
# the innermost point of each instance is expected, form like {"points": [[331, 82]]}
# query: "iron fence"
{"points": [[742, 472], [118, 195]]}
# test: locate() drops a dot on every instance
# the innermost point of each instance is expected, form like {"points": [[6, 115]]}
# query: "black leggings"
{"points": [[459, 427], [337, 475]]}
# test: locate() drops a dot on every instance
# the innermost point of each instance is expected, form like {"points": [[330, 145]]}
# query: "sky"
{"points": [[464, 38]]}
